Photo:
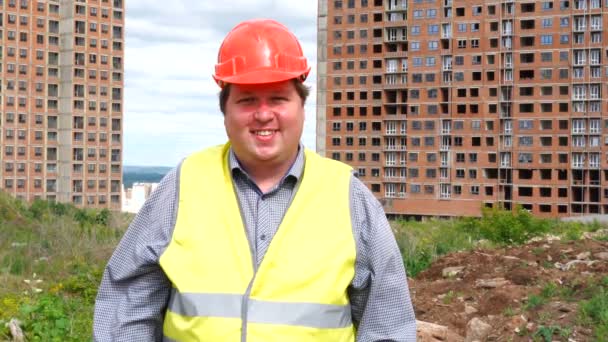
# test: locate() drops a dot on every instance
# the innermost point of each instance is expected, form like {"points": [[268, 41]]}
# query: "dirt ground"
{"points": [[524, 293]]}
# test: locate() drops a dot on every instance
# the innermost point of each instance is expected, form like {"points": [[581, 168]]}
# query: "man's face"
{"points": [[264, 123]]}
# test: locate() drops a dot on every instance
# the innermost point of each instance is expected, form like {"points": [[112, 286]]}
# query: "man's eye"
{"points": [[245, 100]]}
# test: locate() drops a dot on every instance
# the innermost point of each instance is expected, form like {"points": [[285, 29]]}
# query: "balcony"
{"points": [[578, 165], [578, 130], [393, 6], [396, 39]]}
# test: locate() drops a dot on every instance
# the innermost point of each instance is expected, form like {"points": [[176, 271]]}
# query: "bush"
{"points": [[53, 317], [507, 227]]}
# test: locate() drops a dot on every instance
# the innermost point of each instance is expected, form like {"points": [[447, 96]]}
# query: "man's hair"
{"points": [[302, 89]]}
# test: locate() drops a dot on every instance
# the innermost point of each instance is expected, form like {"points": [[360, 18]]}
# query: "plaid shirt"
{"points": [[134, 290]]}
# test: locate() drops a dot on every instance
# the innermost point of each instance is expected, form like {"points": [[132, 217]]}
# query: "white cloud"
{"points": [[171, 106]]}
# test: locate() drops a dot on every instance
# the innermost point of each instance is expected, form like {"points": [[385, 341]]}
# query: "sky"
{"points": [[171, 107]]}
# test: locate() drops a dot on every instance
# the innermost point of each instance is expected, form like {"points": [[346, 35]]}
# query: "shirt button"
{"points": [[263, 237]]}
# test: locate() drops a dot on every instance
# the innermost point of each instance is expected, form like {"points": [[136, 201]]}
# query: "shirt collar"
{"points": [[295, 171]]}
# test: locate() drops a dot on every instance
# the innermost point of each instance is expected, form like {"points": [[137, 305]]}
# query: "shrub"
{"points": [[511, 227]]}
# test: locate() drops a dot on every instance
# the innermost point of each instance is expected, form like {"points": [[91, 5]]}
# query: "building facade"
{"points": [[446, 106], [61, 96]]}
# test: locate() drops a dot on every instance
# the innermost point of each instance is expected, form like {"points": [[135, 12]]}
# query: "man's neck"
{"points": [[267, 175]]}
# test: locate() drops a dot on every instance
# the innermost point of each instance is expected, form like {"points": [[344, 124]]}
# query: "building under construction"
{"points": [[61, 82], [446, 106]]}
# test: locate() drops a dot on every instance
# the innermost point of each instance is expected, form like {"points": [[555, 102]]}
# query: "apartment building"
{"points": [[61, 82], [446, 106]]}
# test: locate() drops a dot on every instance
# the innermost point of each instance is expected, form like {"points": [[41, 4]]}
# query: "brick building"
{"points": [[61, 81], [446, 106]]}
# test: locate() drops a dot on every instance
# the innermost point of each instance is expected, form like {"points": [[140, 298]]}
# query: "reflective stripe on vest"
{"points": [[229, 305]]}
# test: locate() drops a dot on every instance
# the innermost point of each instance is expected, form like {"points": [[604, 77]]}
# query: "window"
{"points": [[546, 39], [525, 124]]}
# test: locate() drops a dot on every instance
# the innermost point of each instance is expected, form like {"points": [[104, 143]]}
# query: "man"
{"points": [[259, 239]]}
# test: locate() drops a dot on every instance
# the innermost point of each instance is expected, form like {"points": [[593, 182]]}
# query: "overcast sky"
{"points": [[171, 107]]}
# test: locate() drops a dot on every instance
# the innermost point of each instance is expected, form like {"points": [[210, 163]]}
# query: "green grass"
{"points": [[549, 291], [534, 302], [51, 260], [594, 311]]}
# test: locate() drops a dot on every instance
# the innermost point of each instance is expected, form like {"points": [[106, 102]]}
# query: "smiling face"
{"points": [[264, 123]]}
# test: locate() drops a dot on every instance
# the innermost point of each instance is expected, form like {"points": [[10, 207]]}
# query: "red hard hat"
{"points": [[260, 51]]}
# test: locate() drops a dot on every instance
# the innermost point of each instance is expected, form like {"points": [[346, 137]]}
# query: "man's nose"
{"points": [[264, 112]]}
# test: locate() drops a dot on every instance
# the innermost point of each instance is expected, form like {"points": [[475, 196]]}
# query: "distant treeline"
{"points": [[134, 177]]}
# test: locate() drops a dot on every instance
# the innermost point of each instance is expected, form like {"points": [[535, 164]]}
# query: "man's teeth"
{"points": [[263, 133]]}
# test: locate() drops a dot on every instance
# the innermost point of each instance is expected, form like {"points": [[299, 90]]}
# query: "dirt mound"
{"points": [[513, 294]]}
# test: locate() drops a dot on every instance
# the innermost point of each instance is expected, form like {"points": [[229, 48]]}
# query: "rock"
{"points": [[518, 321], [469, 309], [428, 332], [477, 330], [583, 256], [601, 255], [450, 272], [15, 329], [597, 233], [570, 264], [549, 258], [491, 283]]}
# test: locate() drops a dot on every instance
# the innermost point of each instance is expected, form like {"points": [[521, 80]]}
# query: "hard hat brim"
{"points": [[262, 76]]}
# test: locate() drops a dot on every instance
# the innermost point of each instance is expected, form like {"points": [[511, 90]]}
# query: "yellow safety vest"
{"points": [[299, 291]]}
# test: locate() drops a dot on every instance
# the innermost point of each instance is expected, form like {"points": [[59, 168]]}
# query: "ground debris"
{"points": [[497, 285], [14, 326]]}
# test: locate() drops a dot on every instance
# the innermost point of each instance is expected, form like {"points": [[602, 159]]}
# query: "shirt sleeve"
{"points": [[379, 294], [134, 290]]}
